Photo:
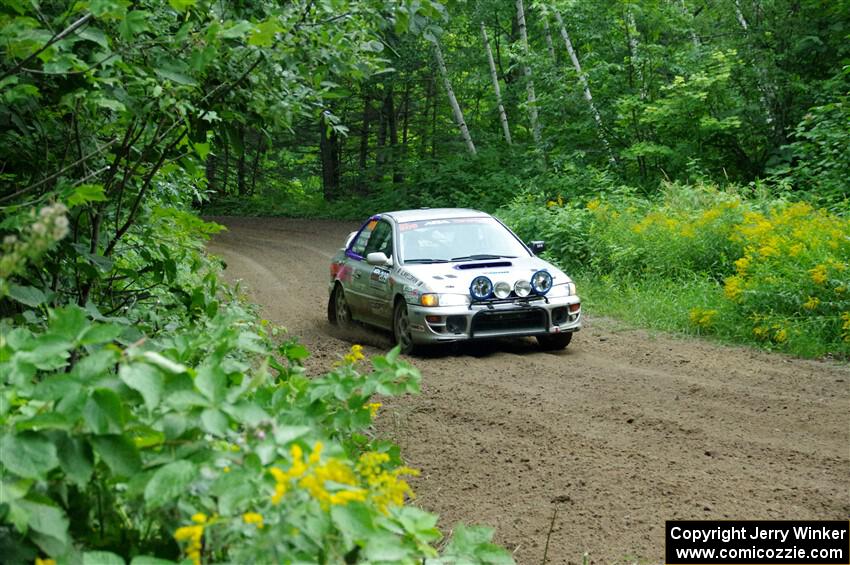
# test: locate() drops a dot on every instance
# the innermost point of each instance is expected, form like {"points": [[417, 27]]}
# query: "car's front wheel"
{"points": [[554, 342], [339, 313], [401, 328]]}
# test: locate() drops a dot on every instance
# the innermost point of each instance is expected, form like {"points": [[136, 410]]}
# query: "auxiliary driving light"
{"points": [[481, 288], [541, 282], [502, 290], [522, 288]]}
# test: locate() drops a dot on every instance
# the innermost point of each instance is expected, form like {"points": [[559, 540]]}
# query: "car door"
{"points": [[376, 284], [355, 289]]}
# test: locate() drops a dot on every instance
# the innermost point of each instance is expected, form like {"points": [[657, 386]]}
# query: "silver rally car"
{"points": [[450, 274]]}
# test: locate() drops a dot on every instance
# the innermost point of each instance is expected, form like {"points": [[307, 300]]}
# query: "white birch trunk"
{"points": [[461, 124], [740, 15], [761, 80], [633, 52], [549, 45], [694, 38], [503, 117], [585, 86], [532, 97]]}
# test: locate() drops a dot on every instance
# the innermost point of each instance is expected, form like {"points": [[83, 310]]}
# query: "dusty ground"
{"points": [[623, 430]]}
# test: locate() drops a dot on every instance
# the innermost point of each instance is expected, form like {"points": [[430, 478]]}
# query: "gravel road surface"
{"points": [[592, 448]]}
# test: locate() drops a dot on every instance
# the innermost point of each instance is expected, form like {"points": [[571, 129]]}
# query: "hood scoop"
{"points": [[487, 265]]}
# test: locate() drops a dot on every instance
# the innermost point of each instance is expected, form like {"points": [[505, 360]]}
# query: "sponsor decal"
{"points": [[409, 278], [379, 275], [407, 226]]}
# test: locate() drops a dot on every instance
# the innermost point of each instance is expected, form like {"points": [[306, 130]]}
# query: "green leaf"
{"points": [[119, 453], [45, 421], [176, 76], [211, 382], [163, 362], [86, 193], [103, 412], [263, 34], [182, 5], [247, 413], [354, 521], [101, 558], [76, 459], [144, 379], [50, 522], [134, 23], [69, 322], [237, 31], [29, 454], [145, 560], [214, 422], [169, 482], [28, 295], [94, 34], [108, 9], [101, 333]]}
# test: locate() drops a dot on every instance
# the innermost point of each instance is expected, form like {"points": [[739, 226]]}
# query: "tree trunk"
{"points": [[549, 45], [529, 85], [583, 79], [255, 169], [464, 131], [503, 117], [392, 122], [364, 135], [329, 153], [240, 165], [211, 165], [634, 60], [226, 163]]}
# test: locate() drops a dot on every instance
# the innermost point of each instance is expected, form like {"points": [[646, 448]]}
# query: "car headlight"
{"points": [[432, 299], [559, 290], [502, 289], [541, 282], [522, 288], [481, 288]]}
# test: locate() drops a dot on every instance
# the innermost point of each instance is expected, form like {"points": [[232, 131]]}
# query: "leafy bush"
{"points": [[197, 437], [779, 269]]}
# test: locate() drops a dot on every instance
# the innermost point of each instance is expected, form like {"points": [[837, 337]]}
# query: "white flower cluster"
{"points": [[50, 225]]}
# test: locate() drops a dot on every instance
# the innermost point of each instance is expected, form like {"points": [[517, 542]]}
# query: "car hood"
{"points": [[457, 277]]}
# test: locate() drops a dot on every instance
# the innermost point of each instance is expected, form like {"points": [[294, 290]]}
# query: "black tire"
{"points": [[401, 328], [339, 313], [554, 342]]}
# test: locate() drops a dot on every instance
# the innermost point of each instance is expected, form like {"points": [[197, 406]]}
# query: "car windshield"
{"points": [[457, 239]]}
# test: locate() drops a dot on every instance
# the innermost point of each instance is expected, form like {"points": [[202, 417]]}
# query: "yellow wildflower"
{"points": [[742, 264], [226, 469], [551, 204], [702, 318], [253, 518], [796, 249], [593, 204], [194, 535], [733, 288], [199, 518], [373, 408], [819, 274], [45, 561], [355, 355], [781, 335], [811, 303]]}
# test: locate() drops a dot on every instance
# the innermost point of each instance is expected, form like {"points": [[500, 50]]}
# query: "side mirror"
{"points": [[379, 259], [538, 247], [349, 239]]}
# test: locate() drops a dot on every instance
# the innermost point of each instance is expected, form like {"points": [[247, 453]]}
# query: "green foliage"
{"points": [[705, 261]]}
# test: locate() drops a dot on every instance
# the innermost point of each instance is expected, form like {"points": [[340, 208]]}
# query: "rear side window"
{"points": [[359, 245]]}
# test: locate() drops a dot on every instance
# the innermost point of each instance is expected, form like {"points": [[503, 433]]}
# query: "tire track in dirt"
{"points": [[623, 430]]}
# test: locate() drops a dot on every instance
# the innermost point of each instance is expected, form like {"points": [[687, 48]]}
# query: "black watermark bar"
{"points": [[799, 542]]}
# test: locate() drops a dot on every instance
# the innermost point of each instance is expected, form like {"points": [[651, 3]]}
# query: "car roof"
{"points": [[422, 214]]}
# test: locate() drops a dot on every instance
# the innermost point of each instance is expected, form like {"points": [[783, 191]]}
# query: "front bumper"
{"points": [[493, 319]]}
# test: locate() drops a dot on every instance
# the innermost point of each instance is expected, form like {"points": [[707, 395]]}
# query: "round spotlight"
{"points": [[502, 290], [481, 288], [522, 288], [541, 282]]}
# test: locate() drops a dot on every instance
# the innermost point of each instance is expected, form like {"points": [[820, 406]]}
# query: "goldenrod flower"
{"points": [[45, 561], [818, 274], [373, 408], [194, 535], [355, 355], [253, 518], [811, 303]]}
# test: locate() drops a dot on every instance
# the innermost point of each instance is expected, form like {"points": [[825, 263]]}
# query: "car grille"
{"points": [[509, 322]]}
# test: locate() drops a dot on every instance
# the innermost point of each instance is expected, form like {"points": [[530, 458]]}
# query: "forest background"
{"points": [[685, 161]]}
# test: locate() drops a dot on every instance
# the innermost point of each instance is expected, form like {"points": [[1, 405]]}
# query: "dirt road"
{"points": [[623, 430]]}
